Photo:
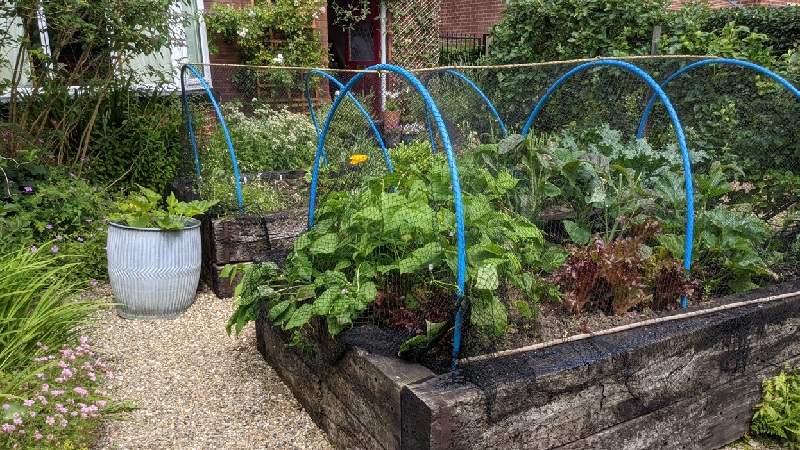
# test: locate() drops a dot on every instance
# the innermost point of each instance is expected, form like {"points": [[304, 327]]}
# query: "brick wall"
{"points": [[460, 17]]}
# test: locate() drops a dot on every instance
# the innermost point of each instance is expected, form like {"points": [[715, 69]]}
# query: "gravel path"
{"points": [[195, 387]]}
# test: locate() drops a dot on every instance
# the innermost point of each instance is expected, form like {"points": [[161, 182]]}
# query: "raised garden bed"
{"points": [[689, 382], [244, 238]]}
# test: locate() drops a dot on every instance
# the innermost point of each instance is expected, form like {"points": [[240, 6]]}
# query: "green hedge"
{"points": [[781, 25]]}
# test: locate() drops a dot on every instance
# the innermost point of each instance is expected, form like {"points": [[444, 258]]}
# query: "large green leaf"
{"points": [[490, 316], [487, 277], [579, 234], [299, 317], [325, 244]]}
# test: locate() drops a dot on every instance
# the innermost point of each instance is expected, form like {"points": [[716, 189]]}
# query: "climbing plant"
{"points": [[415, 33], [279, 33]]}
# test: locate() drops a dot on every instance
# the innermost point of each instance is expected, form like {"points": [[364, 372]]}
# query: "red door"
{"points": [[364, 40]]}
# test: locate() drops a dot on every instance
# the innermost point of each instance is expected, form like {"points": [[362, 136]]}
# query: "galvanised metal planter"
{"points": [[154, 273]]}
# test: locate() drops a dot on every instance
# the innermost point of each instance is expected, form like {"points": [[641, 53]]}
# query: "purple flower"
{"points": [[28, 189], [34, 248], [79, 239], [93, 282], [72, 175], [88, 220], [54, 249], [48, 226]]}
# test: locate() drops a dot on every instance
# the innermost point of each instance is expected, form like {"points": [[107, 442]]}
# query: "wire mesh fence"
{"points": [[561, 208]]}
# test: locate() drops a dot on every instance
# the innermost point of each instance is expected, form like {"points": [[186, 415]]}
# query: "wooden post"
{"points": [[656, 39]]}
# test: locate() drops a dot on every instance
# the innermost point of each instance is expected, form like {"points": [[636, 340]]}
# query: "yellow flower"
{"points": [[357, 159]]}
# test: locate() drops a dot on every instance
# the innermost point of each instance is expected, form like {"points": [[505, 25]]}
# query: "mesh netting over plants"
{"points": [[487, 208]]}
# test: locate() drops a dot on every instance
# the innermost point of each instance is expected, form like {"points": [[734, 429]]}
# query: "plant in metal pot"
{"points": [[154, 255]]}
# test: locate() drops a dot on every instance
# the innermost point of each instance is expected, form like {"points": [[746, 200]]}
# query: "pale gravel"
{"points": [[195, 387]]}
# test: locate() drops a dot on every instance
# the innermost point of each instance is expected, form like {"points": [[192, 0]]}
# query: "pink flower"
{"points": [[28, 189], [50, 420], [59, 237], [54, 249], [80, 239], [34, 248], [63, 423], [28, 403], [48, 226], [94, 282], [81, 391]]}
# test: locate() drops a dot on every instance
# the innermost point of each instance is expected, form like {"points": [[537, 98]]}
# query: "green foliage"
{"points": [[143, 211], [50, 208], [399, 226], [264, 141], [136, 140], [36, 306], [778, 414], [92, 45], [781, 25], [585, 181], [543, 30], [270, 33], [727, 249]]}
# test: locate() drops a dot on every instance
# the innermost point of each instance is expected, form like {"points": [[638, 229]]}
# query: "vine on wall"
{"points": [[271, 33]]}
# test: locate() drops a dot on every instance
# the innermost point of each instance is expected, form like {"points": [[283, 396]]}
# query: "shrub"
{"points": [[36, 308], [136, 140], [264, 141], [55, 210]]}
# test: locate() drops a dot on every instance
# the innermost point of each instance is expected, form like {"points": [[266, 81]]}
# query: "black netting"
{"points": [[575, 226]]}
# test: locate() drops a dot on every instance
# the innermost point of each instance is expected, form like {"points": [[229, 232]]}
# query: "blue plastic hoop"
{"points": [[357, 103], [459, 207], [687, 169], [735, 62], [474, 87], [221, 121]]}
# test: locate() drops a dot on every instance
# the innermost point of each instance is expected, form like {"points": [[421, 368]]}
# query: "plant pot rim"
{"points": [[190, 224]]}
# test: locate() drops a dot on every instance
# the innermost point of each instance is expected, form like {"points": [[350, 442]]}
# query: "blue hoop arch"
{"points": [[687, 168], [475, 88], [221, 121], [357, 103], [459, 206], [705, 62]]}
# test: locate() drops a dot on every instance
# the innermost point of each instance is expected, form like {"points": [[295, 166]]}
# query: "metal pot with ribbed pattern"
{"points": [[153, 272]]}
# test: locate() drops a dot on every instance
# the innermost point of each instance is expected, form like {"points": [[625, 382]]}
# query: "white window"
{"points": [[190, 46]]}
